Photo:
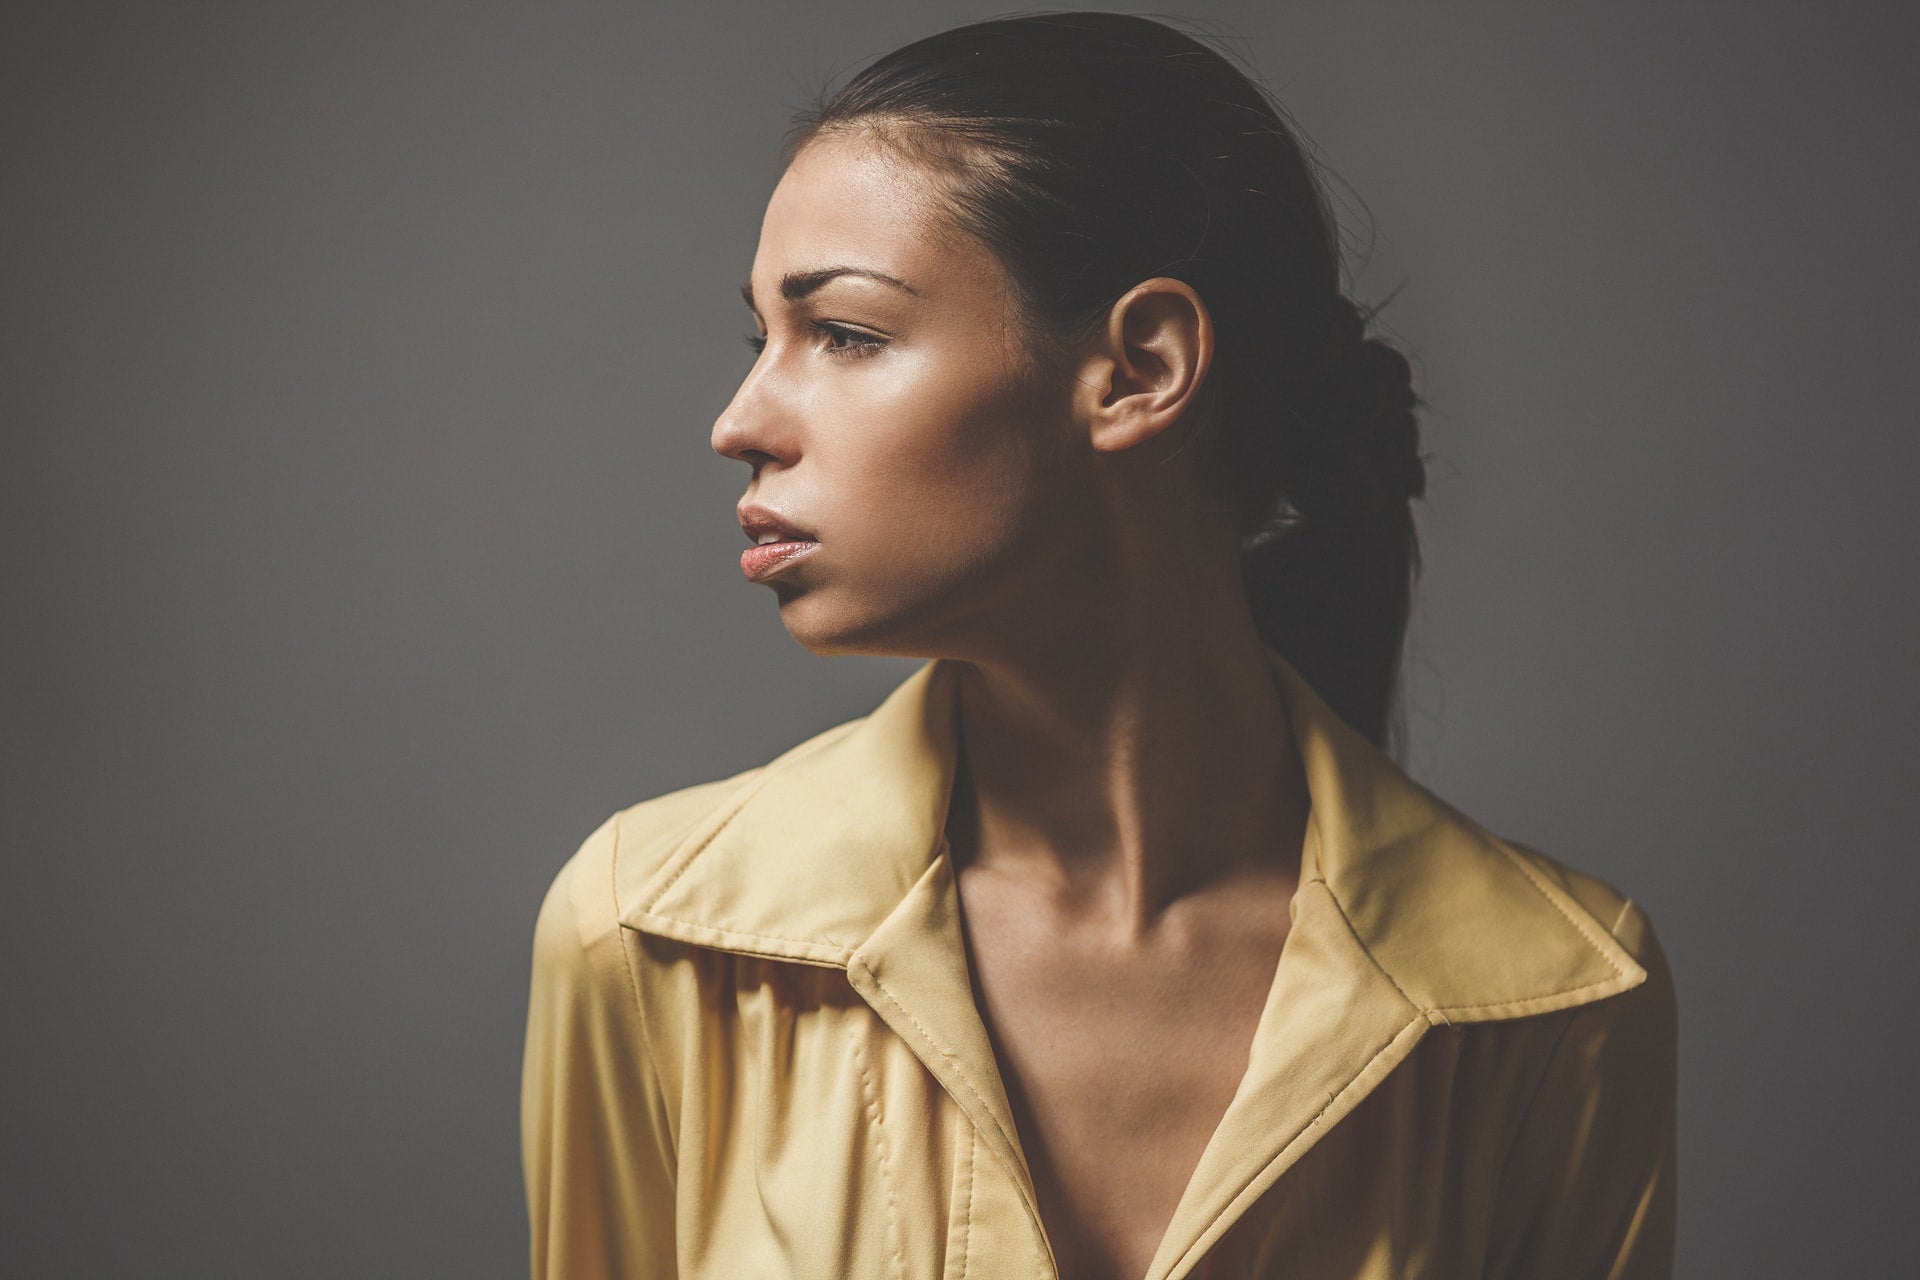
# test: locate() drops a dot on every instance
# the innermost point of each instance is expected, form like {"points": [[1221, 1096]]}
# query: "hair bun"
{"points": [[1374, 400]]}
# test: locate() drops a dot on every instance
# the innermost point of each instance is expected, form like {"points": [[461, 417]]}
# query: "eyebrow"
{"points": [[796, 285]]}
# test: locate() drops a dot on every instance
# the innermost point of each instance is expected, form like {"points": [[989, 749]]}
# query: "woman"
{"points": [[1111, 944]]}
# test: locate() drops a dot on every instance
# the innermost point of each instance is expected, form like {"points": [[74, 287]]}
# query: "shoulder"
{"points": [[1588, 1180], [614, 863], [1633, 1034], [625, 849], [1621, 915]]}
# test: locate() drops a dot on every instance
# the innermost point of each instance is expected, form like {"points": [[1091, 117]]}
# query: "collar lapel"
{"points": [[913, 971], [1408, 915], [1467, 927], [1333, 1026], [837, 856], [824, 844]]}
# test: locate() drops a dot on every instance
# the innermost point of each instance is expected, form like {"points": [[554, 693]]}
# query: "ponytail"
{"points": [[1330, 562]]}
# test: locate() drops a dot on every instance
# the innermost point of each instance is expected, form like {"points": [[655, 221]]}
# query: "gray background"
{"points": [[364, 550]]}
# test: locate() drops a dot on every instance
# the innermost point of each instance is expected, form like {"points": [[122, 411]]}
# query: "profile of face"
{"points": [[894, 416]]}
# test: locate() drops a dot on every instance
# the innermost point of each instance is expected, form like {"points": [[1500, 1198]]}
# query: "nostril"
{"points": [[749, 430], [739, 440]]}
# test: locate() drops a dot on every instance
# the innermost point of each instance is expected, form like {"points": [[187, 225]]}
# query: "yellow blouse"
{"points": [[753, 1052]]}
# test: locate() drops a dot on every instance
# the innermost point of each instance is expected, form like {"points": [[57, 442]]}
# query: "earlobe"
{"points": [[1152, 359]]}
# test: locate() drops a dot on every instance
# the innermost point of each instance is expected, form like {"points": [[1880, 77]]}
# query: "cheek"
{"points": [[946, 482]]}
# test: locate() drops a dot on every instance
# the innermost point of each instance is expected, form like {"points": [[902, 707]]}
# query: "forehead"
{"points": [[849, 200]]}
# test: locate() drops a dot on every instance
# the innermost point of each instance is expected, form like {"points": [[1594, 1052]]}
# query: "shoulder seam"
{"points": [[621, 939]]}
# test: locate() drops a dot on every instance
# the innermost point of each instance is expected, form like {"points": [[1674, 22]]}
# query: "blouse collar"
{"points": [[1408, 915]]}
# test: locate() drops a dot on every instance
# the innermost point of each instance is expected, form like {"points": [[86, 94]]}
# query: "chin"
{"points": [[830, 628]]}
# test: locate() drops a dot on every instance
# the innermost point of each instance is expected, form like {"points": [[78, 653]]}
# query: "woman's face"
{"points": [[894, 417]]}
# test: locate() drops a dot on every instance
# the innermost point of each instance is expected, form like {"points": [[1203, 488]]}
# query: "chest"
{"points": [[1119, 1057], [813, 1137]]}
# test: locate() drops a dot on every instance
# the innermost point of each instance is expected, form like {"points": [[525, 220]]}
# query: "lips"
{"points": [[778, 542], [764, 525]]}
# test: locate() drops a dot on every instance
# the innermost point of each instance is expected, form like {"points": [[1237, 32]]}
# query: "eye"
{"points": [[842, 341]]}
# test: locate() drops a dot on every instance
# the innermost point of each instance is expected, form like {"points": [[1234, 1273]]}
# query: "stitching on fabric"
{"points": [[936, 1045], [966, 1223], [1350, 1085], [639, 1013], [1532, 1002], [880, 1146], [693, 857], [766, 775], [626, 965], [954, 1062], [1362, 944], [1306, 1130], [1585, 929], [744, 936]]}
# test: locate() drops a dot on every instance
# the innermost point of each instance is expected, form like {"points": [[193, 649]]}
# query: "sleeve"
{"points": [[1588, 1186], [596, 1148]]}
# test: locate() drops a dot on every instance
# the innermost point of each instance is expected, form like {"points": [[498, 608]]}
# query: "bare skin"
{"points": [[1121, 1033], [1128, 817]]}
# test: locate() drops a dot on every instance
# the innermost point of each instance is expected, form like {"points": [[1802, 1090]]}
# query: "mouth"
{"points": [[762, 562], [777, 542]]}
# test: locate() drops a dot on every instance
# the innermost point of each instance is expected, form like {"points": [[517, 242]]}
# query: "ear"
{"points": [[1147, 366]]}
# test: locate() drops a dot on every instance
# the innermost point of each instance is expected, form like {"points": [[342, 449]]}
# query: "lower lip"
{"points": [[765, 561]]}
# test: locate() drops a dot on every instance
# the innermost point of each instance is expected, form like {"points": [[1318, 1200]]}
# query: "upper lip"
{"points": [[764, 524]]}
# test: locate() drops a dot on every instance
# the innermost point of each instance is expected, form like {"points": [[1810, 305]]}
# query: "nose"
{"points": [[751, 429]]}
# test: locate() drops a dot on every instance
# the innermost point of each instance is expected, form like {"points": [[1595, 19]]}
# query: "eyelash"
{"points": [[857, 343]]}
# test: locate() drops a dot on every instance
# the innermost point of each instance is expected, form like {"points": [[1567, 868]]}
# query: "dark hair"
{"points": [[1091, 151]]}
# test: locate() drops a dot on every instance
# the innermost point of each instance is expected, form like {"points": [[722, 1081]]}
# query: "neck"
{"points": [[1128, 760]]}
